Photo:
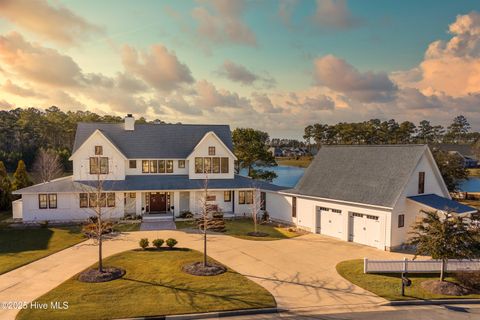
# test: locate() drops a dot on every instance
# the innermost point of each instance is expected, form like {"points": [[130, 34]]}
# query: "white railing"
{"points": [[418, 266]]}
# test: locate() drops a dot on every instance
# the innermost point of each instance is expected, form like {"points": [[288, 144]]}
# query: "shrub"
{"points": [[469, 279], [185, 214], [171, 242], [157, 243], [265, 216], [143, 243]]}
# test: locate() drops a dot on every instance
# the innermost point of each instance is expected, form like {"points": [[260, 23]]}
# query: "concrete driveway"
{"points": [[299, 272]]}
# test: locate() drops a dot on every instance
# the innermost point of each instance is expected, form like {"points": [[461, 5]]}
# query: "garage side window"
{"points": [[401, 220], [294, 207], [421, 182]]}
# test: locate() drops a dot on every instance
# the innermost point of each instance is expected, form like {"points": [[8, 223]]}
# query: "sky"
{"points": [[272, 65]]}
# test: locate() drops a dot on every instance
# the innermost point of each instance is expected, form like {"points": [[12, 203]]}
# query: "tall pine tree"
{"points": [[20, 177], [5, 188]]}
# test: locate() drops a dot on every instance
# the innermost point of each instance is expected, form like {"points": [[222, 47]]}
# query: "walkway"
{"points": [[299, 272]]}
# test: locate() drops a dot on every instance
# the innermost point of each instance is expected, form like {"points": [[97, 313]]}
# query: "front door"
{"points": [[158, 202]]}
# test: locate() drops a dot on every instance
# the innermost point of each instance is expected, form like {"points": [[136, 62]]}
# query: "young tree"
{"points": [[5, 188], [443, 236], [251, 148], [255, 208], [47, 165], [205, 219], [20, 177], [451, 167]]}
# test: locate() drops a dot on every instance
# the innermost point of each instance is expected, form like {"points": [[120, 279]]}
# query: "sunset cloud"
{"points": [[334, 14], [54, 22], [238, 73], [208, 96]]}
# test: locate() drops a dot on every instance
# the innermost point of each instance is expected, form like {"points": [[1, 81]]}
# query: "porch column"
{"points": [[138, 203], [176, 203]]}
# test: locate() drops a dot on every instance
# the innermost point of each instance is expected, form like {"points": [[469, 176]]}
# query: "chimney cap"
{"points": [[129, 115]]}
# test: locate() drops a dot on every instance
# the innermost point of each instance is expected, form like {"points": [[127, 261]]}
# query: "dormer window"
{"points": [[98, 165], [421, 182], [211, 151], [98, 150]]}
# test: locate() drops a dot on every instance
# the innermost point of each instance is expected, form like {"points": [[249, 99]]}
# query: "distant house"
{"points": [[465, 151], [146, 169], [365, 194], [275, 151]]}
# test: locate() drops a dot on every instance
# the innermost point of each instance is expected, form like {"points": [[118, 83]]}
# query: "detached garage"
{"points": [[363, 194]]}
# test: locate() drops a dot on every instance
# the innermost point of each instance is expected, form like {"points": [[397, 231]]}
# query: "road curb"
{"points": [[430, 302], [220, 314]]}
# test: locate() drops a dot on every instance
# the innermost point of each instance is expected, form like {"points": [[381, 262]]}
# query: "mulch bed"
{"points": [[108, 274], [198, 269], [258, 234], [445, 288]]}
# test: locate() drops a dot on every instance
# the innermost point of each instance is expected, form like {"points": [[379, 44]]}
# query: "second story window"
{"points": [[181, 164], [169, 166], [145, 166], [198, 165], [161, 166], [211, 151], [207, 162], [132, 164], [421, 182], [98, 165], [153, 166], [216, 165], [224, 165], [98, 150]]}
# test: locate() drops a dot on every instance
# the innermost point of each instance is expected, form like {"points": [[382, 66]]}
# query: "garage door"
{"points": [[364, 229], [329, 222]]}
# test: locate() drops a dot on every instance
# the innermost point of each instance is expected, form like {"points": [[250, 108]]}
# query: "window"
{"points": [[372, 217], [241, 197], [211, 197], [227, 196], [98, 150], [263, 201], [132, 195], [145, 166], [42, 201], [103, 199], [83, 200], [336, 211], [92, 200], [198, 165], [355, 214], [181, 164], [211, 151], [103, 165], [216, 165], [153, 166], [421, 182], [169, 166], [111, 199], [132, 164], [401, 220], [161, 166], [207, 165], [324, 209], [294, 207], [248, 197], [52, 201], [93, 165], [224, 165]]}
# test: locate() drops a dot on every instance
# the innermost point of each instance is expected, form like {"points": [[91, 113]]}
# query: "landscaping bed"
{"points": [[154, 284], [19, 247], [388, 286], [241, 227]]}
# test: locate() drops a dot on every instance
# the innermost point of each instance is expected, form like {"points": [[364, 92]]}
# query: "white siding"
{"points": [[279, 207], [201, 150], [196, 198]]}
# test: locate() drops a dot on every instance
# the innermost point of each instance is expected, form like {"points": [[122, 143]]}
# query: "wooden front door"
{"points": [[158, 201]]}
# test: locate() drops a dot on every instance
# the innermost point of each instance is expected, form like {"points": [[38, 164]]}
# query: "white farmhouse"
{"points": [[366, 194], [145, 169]]}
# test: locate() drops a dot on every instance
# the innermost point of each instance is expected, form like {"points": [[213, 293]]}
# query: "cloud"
{"points": [[285, 10], [238, 73], [220, 22], [263, 104], [208, 96], [340, 76], [158, 67], [56, 23], [6, 105], [334, 14], [12, 88], [37, 63]]}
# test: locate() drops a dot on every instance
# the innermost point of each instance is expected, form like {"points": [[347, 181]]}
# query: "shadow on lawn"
{"points": [[13, 241], [188, 295]]}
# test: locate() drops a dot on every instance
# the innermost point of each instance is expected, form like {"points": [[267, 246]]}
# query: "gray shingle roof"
{"points": [[149, 182], [153, 140], [374, 175], [440, 203]]}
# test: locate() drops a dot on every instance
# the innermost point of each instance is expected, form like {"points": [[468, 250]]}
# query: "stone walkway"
{"points": [[157, 225]]}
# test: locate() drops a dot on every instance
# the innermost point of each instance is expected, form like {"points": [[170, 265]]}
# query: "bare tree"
{"points": [[205, 218], [47, 165], [256, 207]]}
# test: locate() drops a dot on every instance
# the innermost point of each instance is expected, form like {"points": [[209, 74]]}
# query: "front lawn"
{"points": [[240, 227], [19, 247], [153, 285], [302, 162], [474, 172], [389, 286]]}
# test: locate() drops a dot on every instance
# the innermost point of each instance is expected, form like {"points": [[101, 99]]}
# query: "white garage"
{"points": [[329, 222], [364, 229]]}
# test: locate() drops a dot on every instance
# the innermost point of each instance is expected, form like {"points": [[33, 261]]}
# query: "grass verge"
{"points": [[388, 286], [153, 285]]}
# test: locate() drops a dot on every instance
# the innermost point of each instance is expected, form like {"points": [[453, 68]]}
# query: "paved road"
{"points": [[299, 272], [448, 312]]}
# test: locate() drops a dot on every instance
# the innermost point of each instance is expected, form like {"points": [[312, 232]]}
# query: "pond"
{"points": [[470, 185], [288, 176]]}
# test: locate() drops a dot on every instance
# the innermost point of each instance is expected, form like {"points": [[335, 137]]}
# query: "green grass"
{"points": [[474, 172], [240, 227], [388, 286], [302, 162], [153, 285], [20, 247]]}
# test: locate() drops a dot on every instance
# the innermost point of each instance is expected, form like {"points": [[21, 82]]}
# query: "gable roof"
{"points": [[465, 150], [368, 174], [153, 140], [440, 203]]}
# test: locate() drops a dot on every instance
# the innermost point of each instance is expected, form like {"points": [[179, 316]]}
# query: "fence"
{"points": [[418, 266]]}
